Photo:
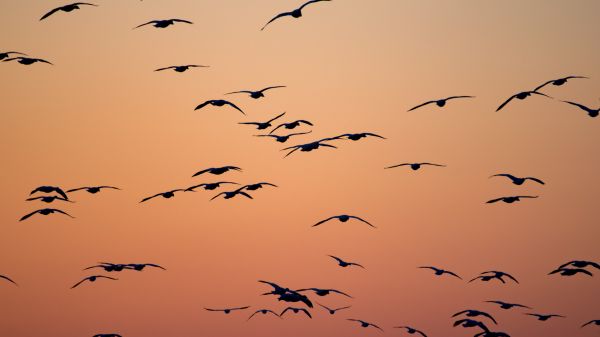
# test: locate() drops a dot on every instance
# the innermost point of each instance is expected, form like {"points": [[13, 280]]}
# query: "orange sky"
{"points": [[101, 115]]}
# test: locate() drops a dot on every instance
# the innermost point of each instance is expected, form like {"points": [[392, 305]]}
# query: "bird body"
{"points": [[518, 180], [365, 324], [93, 279], [521, 96], [415, 166], [544, 318], [45, 211], [439, 102], [92, 189], [295, 311], [228, 310], [217, 170], [510, 200], [440, 272], [218, 103], [255, 94], [166, 195], [343, 218], [181, 69], [163, 23]]}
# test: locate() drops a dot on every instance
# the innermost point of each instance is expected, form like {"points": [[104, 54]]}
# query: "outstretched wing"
{"points": [[165, 68], [420, 105], [506, 102], [148, 198], [147, 23], [363, 220], [393, 166], [234, 106], [581, 106], [311, 2], [280, 15], [25, 217], [184, 21], [50, 13], [203, 105], [323, 221], [273, 87]]}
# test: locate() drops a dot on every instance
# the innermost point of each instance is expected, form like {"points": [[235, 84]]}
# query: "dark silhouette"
{"points": [[507, 306], [510, 200], [109, 267], [295, 311], [286, 294], [492, 334], [141, 266], [309, 146], [471, 323], [46, 211], [67, 8], [296, 13], [231, 194], [50, 189], [264, 312], [411, 331], [358, 136], [107, 335], [581, 264], [558, 82], [219, 103], [333, 311], [6, 54], [293, 125], [591, 112], [440, 272], [277, 290], [283, 139], [166, 195], [255, 94], [93, 279], [209, 186], [517, 180], [27, 60], [163, 23], [415, 166], [254, 187], [440, 102], [324, 292], [8, 279], [48, 198], [570, 271], [544, 318], [494, 275], [93, 189], [345, 264], [475, 313], [228, 310], [263, 125], [343, 218], [364, 324], [521, 96], [217, 170], [595, 321], [181, 69]]}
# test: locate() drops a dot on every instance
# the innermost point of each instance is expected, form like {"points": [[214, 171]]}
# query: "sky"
{"points": [[101, 115]]}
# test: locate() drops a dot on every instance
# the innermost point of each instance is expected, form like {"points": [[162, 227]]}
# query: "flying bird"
{"points": [[263, 125], [510, 200], [228, 310], [324, 292], [109, 267], [163, 23], [48, 198], [591, 112], [141, 266], [295, 311], [518, 180], [166, 195], [45, 211], [507, 306], [219, 103], [411, 331], [440, 272], [50, 189], [26, 60], [8, 279], [343, 218], [217, 170], [521, 96], [345, 264], [570, 271], [293, 297], [544, 318], [358, 136], [296, 13], [333, 311], [67, 8], [93, 189], [255, 94], [595, 321], [309, 146], [181, 69], [471, 323], [558, 82], [277, 289], [292, 125], [475, 313], [209, 186], [494, 275], [283, 139], [107, 335], [6, 54], [93, 279], [581, 264], [254, 187], [492, 334], [415, 166], [264, 312], [231, 194], [439, 102], [364, 324]]}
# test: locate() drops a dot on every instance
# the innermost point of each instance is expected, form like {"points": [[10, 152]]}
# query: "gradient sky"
{"points": [[101, 115]]}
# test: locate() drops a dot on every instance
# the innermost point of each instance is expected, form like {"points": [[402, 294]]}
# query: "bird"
{"points": [[263, 125], [50, 189], [558, 82], [166, 195], [522, 95], [141, 266], [343, 218], [470, 323], [439, 102], [324, 292], [591, 112], [345, 264], [26, 60], [218, 103], [292, 125], [209, 186], [581, 264], [415, 166], [496, 275], [231, 194], [283, 139], [518, 180], [255, 94], [507, 306], [67, 8], [6, 54], [93, 189], [8, 279], [296, 13], [45, 211], [511, 199], [109, 267], [411, 331], [492, 334], [181, 69], [277, 289], [570, 271], [364, 324], [163, 23], [544, 318], [293, 297], [309, 146], [264, 312], [295, 311], [254, 187], [228, 310], [333, 311], [475, 313], [595, 321], [440, 272], [93, 279], [107, 335], [217, 170], [48, 198], [358, 136]]}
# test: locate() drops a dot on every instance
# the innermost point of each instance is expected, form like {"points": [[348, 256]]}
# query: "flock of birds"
{"points": [[469, 318]]}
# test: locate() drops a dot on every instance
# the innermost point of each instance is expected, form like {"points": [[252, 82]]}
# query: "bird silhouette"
{"points": [[277, 289], [8, 279], [324, 292], [440, 272], [558, 82], [364, 324], [231, 194], [181, 69], [166, 195], [343, 218], [228, 310], [521, 96], [591, 112], [295, 311], [581, 264], [471, 323], [296, 13], [163, 23], [254, 187], [209, 186], [517, 180], [411, 331], [93, 189], [109, 267], [415, 166], [333, 311], [544, 318], [345, 264], [263, 125], [475, 313], [510, 200], [255, 94], [595, 321], [218, 103], [107, 335], [26, 60], [492, 334], [292, 125], [217, 170], [293, 297], [48, 198], [6, 54], [439, 102], [67, 8], [358, 136], [507, 306], [50, 189], [283, 139], [141, 266], [264, 312], [93, 279], [494, 275], [570, 271], [308, 147], [45, 211]]}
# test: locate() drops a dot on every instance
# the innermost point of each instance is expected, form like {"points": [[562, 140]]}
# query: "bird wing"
{"points": [[25, 217], [494, 200], [277, 127], [298, 133], [539, 93], [284, 311], [235, 106], [581, 106], [181, 20], [153, 265], [432, 164], [305, 122], [201, 172], [420, 105], [505, 102], [203, 105], [460, 313], [324, 307], [245, 194], [543, 85], [62, 212], [323, 221], [454, 97], [511, 277], [272, 119], [61, 192], [340, 292], [256, 312], [306, 312], [148, 198], [536, 180], [280, 15], [393, 166], [8, 279], [375, 326], [310, 2], [588, 323], [422, 333], [239, 92], [147, 23], [77, 189], [111, 187], [216, 196], [165, 68], [452, 273], [50, 13], [273, 87], [374, 135], [357, 264], [80, 282], [360, 219]]}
